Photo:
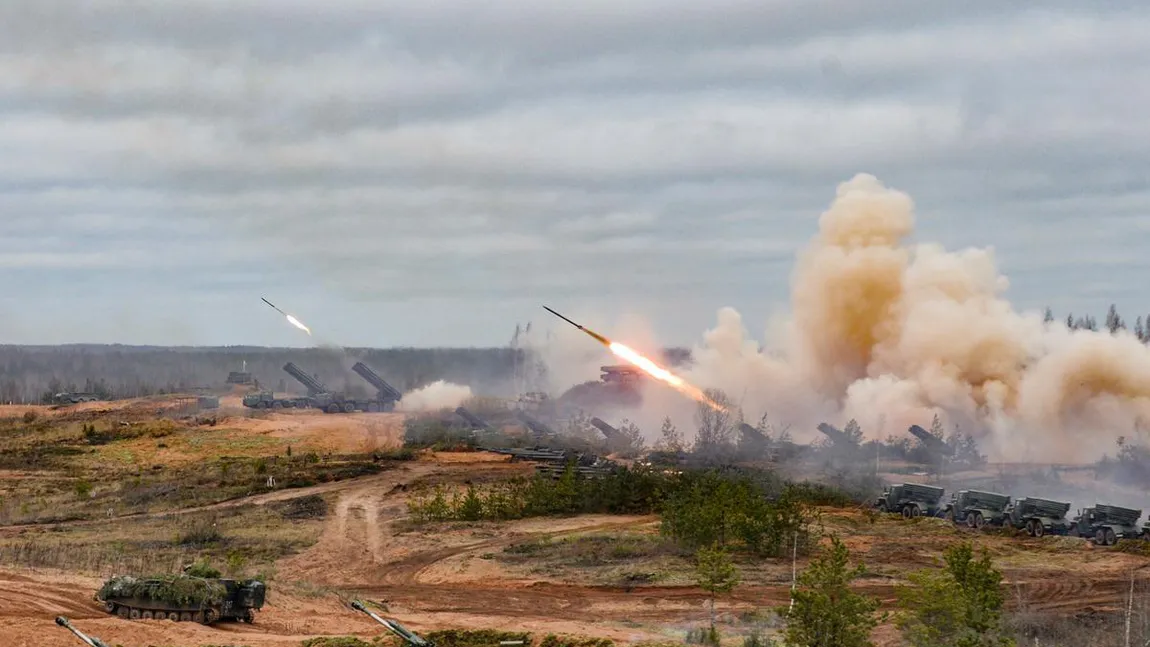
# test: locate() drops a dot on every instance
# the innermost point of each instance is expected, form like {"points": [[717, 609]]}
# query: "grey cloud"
{"points": [[495, 153]]}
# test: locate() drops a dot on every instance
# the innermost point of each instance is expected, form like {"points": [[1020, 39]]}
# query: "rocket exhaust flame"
{"points": [[646, 365], [296, 322], [292, 320]]}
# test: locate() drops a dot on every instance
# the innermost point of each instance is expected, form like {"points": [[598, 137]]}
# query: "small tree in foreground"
{"points": [[826, 613], [716, 574], [958, 606]]}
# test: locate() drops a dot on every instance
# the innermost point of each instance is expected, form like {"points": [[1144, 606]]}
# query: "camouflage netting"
{"points": [[180, 590]]}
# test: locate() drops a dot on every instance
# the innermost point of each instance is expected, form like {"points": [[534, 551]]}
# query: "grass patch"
{"points": [[242, 541]]}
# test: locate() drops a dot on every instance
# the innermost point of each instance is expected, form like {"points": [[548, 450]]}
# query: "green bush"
{"points": [[476, 638], [552, 640], [336, 641], [627, 491]]}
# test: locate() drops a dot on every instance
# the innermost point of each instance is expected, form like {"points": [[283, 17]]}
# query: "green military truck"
{"points": [[910, 500], [1039, 517], [977, 508], [1106, 524]]}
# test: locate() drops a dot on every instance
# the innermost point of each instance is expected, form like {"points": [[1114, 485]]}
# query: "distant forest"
{"points": [[1112, 323], [33, 374]]}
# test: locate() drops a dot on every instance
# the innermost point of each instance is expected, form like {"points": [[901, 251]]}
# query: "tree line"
{"points": [[1112, 323]]}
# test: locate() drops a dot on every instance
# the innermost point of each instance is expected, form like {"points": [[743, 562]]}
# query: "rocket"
{"points": [[274, 306], [600, 338]]}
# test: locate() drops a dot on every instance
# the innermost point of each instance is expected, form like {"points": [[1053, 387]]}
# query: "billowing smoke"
{"points": [[891, 333], [434, 396]]}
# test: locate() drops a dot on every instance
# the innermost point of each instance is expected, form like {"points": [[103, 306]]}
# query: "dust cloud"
{"points": [[892, 333], [434, 396]]}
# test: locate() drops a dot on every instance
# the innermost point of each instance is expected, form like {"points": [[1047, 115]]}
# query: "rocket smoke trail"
{"points": [[649, 367], [292, 320]]}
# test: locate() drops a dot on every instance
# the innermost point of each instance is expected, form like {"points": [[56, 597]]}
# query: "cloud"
{"points": [[421, 159]]}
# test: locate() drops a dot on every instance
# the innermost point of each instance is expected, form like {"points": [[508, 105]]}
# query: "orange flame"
{"points": [[663, 375]]}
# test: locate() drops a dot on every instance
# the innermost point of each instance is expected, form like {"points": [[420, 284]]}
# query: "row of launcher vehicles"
{"points": [[1104, 524]]}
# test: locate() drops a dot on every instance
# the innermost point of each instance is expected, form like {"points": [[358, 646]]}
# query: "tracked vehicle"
{"points": [[182, 598], [977, 508], [910, 500]]}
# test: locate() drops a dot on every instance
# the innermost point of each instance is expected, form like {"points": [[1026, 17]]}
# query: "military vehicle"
{"points": [[976, 508], [1106, 524], [91, 641], [1038, 516], [910, 499], [268, 400], [182, 598], [74, 398]]}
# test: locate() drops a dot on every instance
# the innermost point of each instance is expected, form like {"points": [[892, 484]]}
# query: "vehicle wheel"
{"points": [[210, 616], [348, 407], [915, 511], [979, 521], [186, 616], [906, 513], [134, 614], [1039, 529], [1030, 527], [277, 405], [147, 615], [1111, 538], [122, 612], [109, 606], [248, 616], [198, 617], [1100, 537], [333, 408]]}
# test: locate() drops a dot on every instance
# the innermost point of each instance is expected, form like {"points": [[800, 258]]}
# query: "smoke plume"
{"points": [[891, 334], [434, 396]]}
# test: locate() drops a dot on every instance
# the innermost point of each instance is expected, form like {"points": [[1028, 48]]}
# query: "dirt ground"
{"points": [[458, 575]]}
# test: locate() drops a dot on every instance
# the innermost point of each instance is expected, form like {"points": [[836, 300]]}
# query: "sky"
{"points": [[432, 173]]}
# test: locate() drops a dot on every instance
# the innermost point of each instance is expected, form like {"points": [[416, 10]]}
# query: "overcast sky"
{"points": [[431, 173]]}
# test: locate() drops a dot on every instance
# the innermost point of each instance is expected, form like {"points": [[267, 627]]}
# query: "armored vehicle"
{"points": [[182, 598], [910, 499], [1039, 516], [976, 508], [91, 641], [1106, 524]]}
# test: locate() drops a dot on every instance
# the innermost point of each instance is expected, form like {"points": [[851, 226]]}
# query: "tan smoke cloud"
{"points": [[434, 396], [891, 333]]}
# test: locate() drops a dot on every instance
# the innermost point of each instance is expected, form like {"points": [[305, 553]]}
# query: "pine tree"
{"points": [[826, 612], [715, 573], [1139, 329], [959, 606], [1070, 321], [1048, 315], [1114, 322]]}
